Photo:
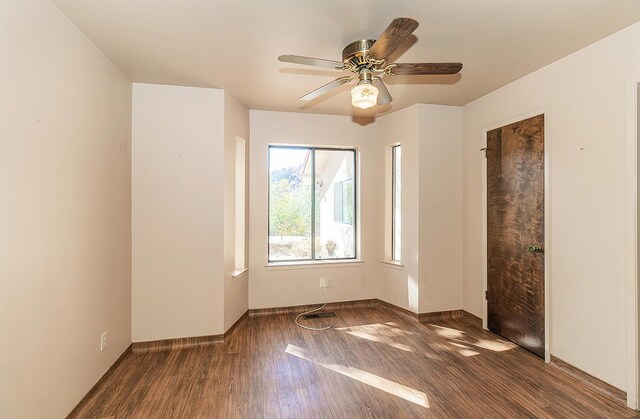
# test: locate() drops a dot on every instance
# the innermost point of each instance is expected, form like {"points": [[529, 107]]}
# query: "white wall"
{"points": [[400, 286], [177, 212], [65, 168], [440, 213], [431, 208], [297, 286], [585, 96], [236, 290]]}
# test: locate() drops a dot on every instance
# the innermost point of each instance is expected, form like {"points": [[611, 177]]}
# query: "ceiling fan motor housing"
{"points": [[355, 54]]}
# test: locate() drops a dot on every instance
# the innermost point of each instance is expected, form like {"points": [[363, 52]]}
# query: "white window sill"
{"points": [[392, 264], [237, 274], [314, 264]]}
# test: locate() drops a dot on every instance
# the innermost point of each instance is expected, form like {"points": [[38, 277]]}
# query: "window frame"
{"points": [[394, 174], [240, 206], [313, 150]]}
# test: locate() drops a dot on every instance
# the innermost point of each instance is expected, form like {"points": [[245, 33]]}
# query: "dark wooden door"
{"points": [[515, 233]]}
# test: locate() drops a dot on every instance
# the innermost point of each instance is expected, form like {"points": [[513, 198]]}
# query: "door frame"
{"points": [[631, 245], [547, 220]]}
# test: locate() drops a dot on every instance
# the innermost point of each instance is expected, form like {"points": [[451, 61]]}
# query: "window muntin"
{"points": [[303, 212]]}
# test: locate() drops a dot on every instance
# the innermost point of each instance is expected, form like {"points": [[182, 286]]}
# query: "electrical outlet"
{"points": [[325, 282], [103, 341]]}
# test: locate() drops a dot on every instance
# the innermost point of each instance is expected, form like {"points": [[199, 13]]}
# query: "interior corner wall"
{"points": [[401, 286], [236, 289], [300, 285], [65, 196], [440, 207], [585, 144], [177, 212], [431, 209]]}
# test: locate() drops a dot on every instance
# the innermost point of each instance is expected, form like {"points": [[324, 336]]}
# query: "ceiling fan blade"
{"points": [[416, 69], [326, 88], [397, 32], [316, 62], [384, 96]]}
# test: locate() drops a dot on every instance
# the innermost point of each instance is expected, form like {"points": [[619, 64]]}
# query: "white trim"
{"points": [[388, 202], [483, 156], [314, 264], [240, 204], [547, 221], [393, 264], [357, 170], [631, 243], [237, 274]]}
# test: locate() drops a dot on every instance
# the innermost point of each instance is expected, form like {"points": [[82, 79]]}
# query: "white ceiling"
{"points": [[234, 44]]}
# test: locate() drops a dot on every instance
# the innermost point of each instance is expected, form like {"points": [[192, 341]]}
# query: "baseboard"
{"points": [[459, 315], [441, 315], [397, 308], [422, 317], [437, 315], [472, 319], [177, 343], [599, 385], [189, 342], [93, 389], [596, 383], [299, 309], [233, 326], [183, 343], [153, 346]]}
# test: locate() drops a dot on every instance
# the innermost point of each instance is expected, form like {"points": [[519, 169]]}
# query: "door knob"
{"points": [[534, 248]]}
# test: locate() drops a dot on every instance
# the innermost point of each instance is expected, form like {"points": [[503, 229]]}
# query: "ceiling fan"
{"points": [[367, 59]]}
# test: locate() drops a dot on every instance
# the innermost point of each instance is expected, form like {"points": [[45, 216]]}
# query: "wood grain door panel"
{"points": [[515, 221]]}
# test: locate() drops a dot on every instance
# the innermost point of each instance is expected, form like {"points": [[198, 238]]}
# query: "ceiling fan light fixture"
{"points": [[364, 95], [368, 60]]}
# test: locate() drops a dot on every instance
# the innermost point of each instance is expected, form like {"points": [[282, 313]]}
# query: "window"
{"points": [[343, 202], [312, 203], [396, 203], [240, 199]]}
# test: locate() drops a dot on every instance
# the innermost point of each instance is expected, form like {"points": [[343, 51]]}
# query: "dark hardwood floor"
{"points": [[375, 363]]}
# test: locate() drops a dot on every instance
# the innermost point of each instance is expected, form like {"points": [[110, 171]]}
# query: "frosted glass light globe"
{"points": [[364, 95]]}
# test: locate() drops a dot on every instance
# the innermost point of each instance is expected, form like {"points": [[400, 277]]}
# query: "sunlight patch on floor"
{"points": [[391, 387], [494, 345], [465, 350], [447, 332], [381, 333], [374, 338], [455, 347], [387, 329]]}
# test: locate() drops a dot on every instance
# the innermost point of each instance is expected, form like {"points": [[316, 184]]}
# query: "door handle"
{"points": [[534, 248]]}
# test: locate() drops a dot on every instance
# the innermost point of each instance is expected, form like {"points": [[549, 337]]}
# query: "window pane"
{"points": [[396, 253], [335, 204], [240, 203], [289, 203]]}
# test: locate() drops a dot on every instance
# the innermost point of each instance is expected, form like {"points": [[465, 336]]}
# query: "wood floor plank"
{"points": [[376, 362]]}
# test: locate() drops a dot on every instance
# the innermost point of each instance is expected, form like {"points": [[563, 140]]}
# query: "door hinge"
{"points": [[486, 295], [485, 151]]}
